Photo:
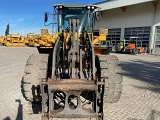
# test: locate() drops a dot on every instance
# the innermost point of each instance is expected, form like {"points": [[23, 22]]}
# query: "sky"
{"points": [[26, 16]]}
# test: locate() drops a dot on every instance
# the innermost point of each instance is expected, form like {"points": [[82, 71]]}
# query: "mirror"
{"points": [[45, 17], [98, 16]]}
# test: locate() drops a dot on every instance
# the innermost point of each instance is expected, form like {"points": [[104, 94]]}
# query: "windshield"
{"points": [[85, 18]]}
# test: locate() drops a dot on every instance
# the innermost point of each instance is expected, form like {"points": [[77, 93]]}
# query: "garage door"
{"points": [[143, 33], [157, 41]]}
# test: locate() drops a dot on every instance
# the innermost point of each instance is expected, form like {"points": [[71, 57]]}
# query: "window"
{"points": [[143, 33], [114, 36]]}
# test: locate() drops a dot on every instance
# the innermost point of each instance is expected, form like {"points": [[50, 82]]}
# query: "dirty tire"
{"points": [[36, 69], [110, 72]]}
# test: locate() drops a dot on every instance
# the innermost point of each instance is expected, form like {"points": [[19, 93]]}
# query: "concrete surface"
{"points": [[140, 99]]}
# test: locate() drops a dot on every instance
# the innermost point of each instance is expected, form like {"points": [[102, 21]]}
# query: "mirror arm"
{"points": [[46, 18]]}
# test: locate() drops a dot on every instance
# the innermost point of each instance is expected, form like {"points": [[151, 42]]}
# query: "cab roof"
{"points": [[72, 5]]}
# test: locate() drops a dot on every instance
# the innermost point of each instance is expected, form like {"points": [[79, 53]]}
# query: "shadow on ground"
{"points": [[7, 118], [154, 115], [148, 72], [35, 107], [19, 111]]}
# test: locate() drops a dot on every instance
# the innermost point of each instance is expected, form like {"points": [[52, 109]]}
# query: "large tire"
{"points": [[110, 72], [35, 70]]}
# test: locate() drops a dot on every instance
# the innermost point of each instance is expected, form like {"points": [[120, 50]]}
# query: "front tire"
{"points": [[109, 71], [35, 70]]}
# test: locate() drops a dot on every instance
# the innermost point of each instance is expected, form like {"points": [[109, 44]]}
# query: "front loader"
{"points": [[33, 40], [71, 80], [45, 39], [14, 40]]}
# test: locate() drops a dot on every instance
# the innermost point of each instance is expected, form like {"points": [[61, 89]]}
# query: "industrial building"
{"points": [[131, 18]]}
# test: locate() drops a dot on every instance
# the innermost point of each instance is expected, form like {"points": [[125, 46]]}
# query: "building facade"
{"points": [[131, 18]]}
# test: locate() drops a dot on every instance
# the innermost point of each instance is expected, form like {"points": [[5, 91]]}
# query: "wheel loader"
{"points": [[77, 77], [33, 40], [45, 38], [14, 40]]}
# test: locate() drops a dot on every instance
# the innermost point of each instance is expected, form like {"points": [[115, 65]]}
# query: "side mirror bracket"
{"points": [[46, 16]]}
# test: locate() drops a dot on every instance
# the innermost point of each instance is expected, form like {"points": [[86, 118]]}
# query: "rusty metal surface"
{"points": [[73, 58], [76, 113], [71, 85]]}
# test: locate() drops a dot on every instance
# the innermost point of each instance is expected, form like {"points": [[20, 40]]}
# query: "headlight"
{"points": [[60, 7], [88, 7], [92, 7]]}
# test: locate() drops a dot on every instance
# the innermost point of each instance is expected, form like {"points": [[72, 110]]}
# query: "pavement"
{"points": [[140, 98]]}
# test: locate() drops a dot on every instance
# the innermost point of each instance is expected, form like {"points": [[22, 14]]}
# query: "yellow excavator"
{"points": [[14, 40], [76, 77]]}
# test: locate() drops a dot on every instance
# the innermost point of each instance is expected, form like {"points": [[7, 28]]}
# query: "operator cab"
{"points": [[81, 12]]}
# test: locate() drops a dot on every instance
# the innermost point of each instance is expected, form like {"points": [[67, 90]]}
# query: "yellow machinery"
{"points": [[77, 77], [33, 40], [2, 39], [45, 38], [26, 40], [100, 44], [120, 47], [14, 40]]}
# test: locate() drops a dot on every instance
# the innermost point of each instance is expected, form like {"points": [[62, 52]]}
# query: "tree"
{"points": [[7, 30]]}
